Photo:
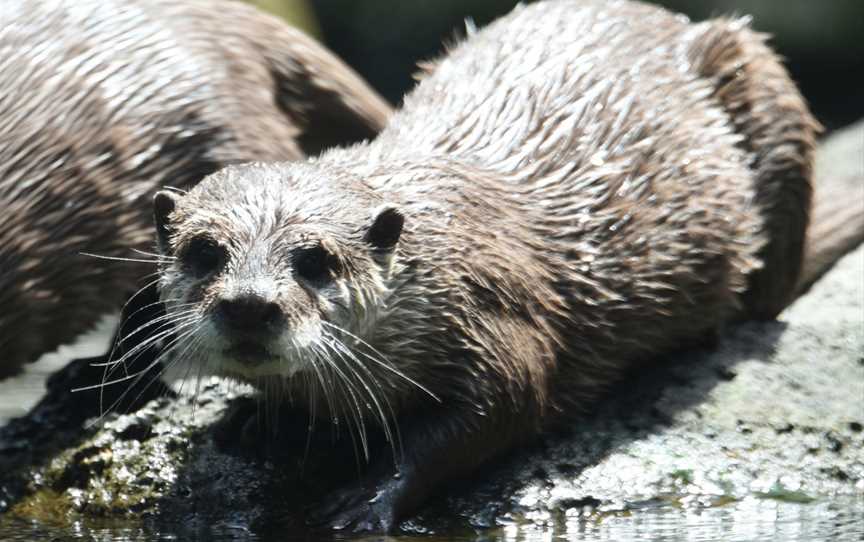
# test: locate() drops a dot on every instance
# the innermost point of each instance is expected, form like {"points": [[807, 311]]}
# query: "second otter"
{"points": [[577, 188]]}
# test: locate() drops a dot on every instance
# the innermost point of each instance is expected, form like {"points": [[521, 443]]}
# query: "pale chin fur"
{"points": [[211, 360]]}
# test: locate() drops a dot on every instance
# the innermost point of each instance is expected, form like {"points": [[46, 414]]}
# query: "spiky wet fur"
{"points": [[584, 189]]}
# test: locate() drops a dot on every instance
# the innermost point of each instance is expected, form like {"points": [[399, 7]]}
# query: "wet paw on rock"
{"points": [[357, 509]]}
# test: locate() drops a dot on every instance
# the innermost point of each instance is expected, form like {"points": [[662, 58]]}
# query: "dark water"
{"points": [[837, 519]]}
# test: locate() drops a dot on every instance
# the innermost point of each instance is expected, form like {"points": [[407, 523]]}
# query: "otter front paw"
{"points": [[358, 509]]}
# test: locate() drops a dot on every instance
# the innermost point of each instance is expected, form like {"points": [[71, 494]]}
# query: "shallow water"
{"points": [[749, 520]]}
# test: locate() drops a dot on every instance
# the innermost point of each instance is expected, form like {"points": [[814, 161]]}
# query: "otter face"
{"points": [[272, 271]]}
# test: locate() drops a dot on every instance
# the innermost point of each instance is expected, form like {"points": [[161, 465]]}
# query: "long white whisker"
{"points": [[341, 351], [394, 435], [174, 315], [382, 361], [185, 378], [111, 366], [357, 413], [195, 340], [197, 394], [154, 254], [123, 309], [136, 376], [119, 258], [124, 359], [160, 332], [313, 409]]}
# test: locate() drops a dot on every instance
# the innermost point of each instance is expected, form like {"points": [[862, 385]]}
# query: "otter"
{"points": [[103, 102], [576, 189]]}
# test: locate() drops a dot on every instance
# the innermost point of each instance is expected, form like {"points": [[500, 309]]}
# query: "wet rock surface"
{"points": [[771, 420]]}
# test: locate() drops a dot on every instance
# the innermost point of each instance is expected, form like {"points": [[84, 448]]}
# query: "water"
{"points": [[749, 520]]}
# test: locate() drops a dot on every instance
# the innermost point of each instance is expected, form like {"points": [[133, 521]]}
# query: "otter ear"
{"points": [[386, 228], [164, 203]]}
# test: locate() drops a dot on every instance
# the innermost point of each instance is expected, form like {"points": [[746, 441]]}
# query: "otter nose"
{"points": [[249, 314]]}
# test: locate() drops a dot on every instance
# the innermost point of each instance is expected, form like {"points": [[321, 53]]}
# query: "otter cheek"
{"points": [[307, 334], [337, 307]]}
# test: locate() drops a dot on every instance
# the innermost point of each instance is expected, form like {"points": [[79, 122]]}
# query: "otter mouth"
{"points": [[250, 352]]}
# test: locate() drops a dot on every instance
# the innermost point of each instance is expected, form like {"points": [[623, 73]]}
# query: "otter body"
{"points": [[577, 188], [103, 102]]}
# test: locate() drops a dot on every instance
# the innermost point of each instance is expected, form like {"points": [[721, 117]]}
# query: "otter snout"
{"points": [[249, 316]]}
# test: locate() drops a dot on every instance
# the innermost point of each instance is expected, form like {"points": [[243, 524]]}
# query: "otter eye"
{"points": [[203, 256], [315, 264]]}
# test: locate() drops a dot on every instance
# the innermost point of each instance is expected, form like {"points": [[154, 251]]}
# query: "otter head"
{"points": [[270, 270]]}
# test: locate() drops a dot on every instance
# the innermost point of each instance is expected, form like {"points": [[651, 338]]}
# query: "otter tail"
{"points": [[779, 132]]}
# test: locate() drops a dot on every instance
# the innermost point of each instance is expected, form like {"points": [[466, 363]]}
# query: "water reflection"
{"points": [[749, 520]]}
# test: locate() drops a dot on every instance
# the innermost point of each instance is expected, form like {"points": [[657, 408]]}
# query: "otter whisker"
{"points": [[166, 330], [198, 378], [174, 344], [126, 304], [341, 353], [162, 257], [141, 289], [185, 378], [132, 356], [166, 327], [382, 360], [347, 356], [121, 258], [158, 319], [326, 384], [329, 382], [313, 409], [195, 340], [394, 436], [168, 303], [324, 374], [356, 412], [342, 350], [195, 354], [391, 435], [164, 324], [136, 377]]}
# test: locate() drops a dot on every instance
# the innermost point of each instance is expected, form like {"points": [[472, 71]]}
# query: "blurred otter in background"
{"points": [[104, 101], [575, 189]]}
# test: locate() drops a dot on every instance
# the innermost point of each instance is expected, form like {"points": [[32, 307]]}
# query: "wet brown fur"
{"points": [[102, 102], [585, 186]]}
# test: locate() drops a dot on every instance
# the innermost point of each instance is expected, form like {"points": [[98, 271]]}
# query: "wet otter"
{"points": [[577, 188], [102, 102]]}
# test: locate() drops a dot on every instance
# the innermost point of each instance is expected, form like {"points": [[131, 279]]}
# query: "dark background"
{"points": [[822, 40]]}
